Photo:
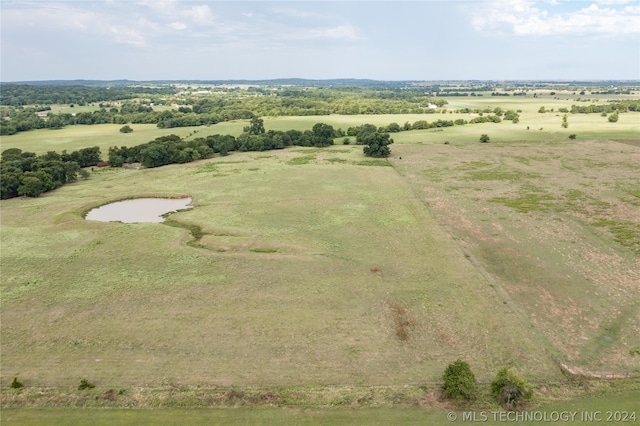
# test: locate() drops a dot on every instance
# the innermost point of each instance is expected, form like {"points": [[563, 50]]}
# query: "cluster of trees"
{"points": [[202, 108], [172, 149], [30, 94], [24, 173], [498, 111], [508, 388], [485, 119], [611, 107], [424, 124]]}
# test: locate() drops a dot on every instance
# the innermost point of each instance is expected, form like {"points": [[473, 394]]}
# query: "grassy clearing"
{"points": [[602, 406], [278, 290], [553, 226], [305, 268], [73, 138], [533, 126], [256, 416]]}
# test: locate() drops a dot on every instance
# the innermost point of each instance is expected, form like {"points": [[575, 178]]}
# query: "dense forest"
{"points": [[30, 94], [24, 173]]}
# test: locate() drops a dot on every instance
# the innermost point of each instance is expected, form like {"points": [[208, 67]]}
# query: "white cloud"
{"points": [[178, 26], [291, 12], [200, 15], [127, 35], [525, 18], [342, 32], [607, 2]]}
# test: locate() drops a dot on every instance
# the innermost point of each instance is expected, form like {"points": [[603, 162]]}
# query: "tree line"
{"points": [[611, 107], [25, 173], [172, 149], [196, 108], [31, 94]]}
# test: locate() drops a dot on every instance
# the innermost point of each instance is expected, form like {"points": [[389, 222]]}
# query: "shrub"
{"points": [[484, 138], [509, 388], [126, 129], [459, 381], [85, 384], [15, 384], [572, 136]]}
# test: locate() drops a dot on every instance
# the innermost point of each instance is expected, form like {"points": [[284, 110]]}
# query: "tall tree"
{"points": [[377, 144], [322, 134], [256, 127]]}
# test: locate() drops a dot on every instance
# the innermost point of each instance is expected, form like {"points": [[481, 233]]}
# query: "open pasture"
{"points": [[309, 268], [583, 407], [555, 226], [313, 268], [533, 126], [76, 137]]}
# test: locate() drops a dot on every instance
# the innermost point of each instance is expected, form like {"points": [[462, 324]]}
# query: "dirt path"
{"points": [[577, 371]]}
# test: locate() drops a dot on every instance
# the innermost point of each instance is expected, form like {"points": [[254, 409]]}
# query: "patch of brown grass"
{"points": [[401, 320]]}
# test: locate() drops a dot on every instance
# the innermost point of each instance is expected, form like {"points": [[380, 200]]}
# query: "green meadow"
{"points": [[315, 285], [533, 126]]}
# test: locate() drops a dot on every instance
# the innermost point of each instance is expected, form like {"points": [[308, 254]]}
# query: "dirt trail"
{"points": [[577, 371]]}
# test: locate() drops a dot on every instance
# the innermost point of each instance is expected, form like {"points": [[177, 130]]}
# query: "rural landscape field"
{"points": [[315, 283]]}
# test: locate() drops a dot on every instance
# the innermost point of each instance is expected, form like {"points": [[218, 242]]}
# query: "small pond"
{"points": [[138, 210]]}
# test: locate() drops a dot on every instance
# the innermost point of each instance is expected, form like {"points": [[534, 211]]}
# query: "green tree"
{"points": [[377, 145], [31, 186], [484, 138], [459, 381], [55, 122], [255, 127], [394, 128], [363, 132], [87, 156], [565, 123], [9, 182], [613, 118], [508, 388], [322, 134], [155, 155], [126, 129]]}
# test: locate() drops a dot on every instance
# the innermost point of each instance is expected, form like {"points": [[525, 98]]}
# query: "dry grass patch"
{"points": [[554, 229]]}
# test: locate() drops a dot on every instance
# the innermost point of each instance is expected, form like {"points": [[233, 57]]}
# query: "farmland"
{"points": [[323, 278]]}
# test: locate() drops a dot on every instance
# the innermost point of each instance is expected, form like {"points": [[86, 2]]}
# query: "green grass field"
{"points": [[533, 126], [335, 280], [300, 278], [582, 411]]}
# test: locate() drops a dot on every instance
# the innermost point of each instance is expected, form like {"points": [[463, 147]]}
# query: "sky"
{"points": [[380, 40]]}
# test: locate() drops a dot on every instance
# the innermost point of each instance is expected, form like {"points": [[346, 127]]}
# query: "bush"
{"points": [[509, 388], [459, 381], [572, 136], [85, 384], [484, 138], [126, 129]]}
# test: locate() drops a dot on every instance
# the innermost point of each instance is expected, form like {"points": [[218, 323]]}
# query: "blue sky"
{"points": [[383, 40]]}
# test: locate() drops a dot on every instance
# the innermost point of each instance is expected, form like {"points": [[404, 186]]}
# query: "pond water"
{"points": [[138, 210]]}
